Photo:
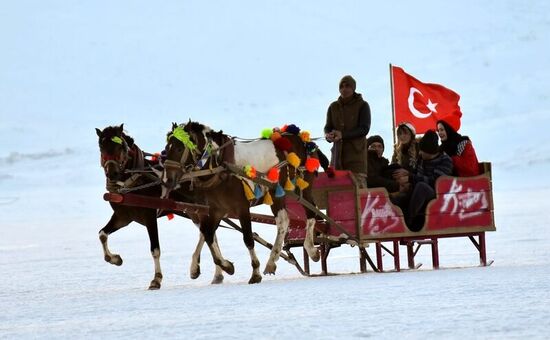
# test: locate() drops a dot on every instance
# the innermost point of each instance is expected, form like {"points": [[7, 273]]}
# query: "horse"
{"points": [[194, 146], [120, 153]]}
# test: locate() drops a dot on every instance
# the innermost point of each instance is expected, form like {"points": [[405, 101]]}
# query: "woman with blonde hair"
{"points": [[405, 151]]}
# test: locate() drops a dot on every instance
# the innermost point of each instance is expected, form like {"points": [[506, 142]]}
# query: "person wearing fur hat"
{"points": [[459, 147], [432, 164], [347, 125], [405, 151], [378, 173]]}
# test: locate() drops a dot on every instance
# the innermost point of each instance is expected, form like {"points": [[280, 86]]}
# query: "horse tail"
{"points": [[323, 160]]}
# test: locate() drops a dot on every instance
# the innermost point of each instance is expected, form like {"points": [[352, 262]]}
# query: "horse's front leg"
{"points": [[282, 220], [115, 223], [309, 241], [195, 270], [152, 230], [208, 230]]}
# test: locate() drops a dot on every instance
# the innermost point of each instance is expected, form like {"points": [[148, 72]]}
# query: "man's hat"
{"points": [[429, 142]]}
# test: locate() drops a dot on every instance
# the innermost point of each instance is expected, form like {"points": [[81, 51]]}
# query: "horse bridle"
{"points": [[119, 161]]}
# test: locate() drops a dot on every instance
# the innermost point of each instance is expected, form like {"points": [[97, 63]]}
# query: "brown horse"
{"points": [[118, 154], [194, 146]]}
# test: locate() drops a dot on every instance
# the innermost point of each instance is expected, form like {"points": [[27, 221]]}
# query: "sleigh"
{"points": [[350, 215]]}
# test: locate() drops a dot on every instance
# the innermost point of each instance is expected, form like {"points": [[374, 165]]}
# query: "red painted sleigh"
{"points": [[361, 217], [463, 208]]}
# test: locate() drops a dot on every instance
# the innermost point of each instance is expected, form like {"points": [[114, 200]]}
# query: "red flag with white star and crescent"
{"points": [[423, 104]]}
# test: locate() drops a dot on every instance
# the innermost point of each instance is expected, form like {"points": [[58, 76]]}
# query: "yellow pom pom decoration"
{"points": [[305, 136], [267, 198], [250, 171], [288, 185], [293, 159], [300, 183], [248, 192]]}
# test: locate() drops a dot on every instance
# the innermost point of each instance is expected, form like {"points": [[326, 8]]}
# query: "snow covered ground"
{"points": [[69, 67]]}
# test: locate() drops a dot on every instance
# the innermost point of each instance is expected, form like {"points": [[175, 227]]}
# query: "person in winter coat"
{"points": [[405, 151], [347, 125], [378, 173], [458, 147], [432, 164]]}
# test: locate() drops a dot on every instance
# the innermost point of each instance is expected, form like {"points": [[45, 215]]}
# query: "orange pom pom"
{"points": [[275, 135], [283, 128], [273, 175], [312, 164]]}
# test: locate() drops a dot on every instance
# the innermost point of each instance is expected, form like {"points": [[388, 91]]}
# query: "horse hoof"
{"points": [[115, 259], [155, 285], [270, 269], [228, 267], [195, 273], [256, 278], [316, 257], [217, 279]]}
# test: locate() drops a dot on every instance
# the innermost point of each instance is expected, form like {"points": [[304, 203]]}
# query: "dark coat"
{"points": [[430, 170], [352, 118], [378, 174]]}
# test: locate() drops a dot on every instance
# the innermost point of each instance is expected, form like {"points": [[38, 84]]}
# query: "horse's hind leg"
{"points": [[281, 218], [309, 242], [152, 230], [248, 239], [195, 269], [114, 224]]}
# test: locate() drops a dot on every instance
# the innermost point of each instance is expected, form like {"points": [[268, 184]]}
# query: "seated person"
{"points": [[378, 174], [432, 164], [405, 151], [459, 147]]}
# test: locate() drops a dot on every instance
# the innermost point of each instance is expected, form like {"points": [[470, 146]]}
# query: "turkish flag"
{"points": [[423, 104]]}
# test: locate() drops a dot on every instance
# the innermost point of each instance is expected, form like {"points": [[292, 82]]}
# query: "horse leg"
{"points": [[195, 270], [309, 242], [282, 221], [248, 239], [152, 230], [114, 224], [208, 229]]}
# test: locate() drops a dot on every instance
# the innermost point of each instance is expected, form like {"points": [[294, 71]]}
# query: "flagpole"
{"points": [[392, 105]]}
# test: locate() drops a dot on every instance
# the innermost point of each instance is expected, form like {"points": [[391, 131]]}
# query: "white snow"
{"points": [[69, 67]]}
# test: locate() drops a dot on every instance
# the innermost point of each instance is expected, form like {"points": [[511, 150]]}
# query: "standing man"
{"points": [[348, 122]]}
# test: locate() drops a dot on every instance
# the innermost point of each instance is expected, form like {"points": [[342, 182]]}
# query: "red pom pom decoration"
{"points": [[312, 164], [273, 175], [283, 144]]}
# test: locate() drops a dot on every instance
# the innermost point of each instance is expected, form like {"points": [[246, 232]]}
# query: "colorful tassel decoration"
{"points": [[283, 128], [258, 192], [293, 159], [304, 135], [250, 171], [279, 191], [247, 191], [293, 129], [312, 164], [275, 135], [288, 185], [300, 183], [283, 144], [170, 217], [266, 133], [273, 175], [267, 199]]}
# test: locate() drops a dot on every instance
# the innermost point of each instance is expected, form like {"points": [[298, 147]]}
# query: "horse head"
{"points": [[186, 143], [114, 151]]}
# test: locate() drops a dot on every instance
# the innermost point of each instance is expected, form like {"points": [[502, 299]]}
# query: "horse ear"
{"points": [[98, 131], [121, 127], [174, 125]]}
